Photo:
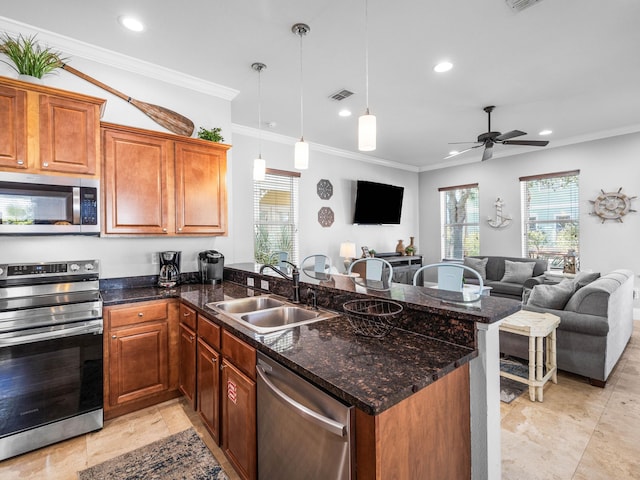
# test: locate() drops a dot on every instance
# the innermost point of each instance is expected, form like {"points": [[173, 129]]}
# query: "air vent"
{"points": [[519, 5], [341, 94]]}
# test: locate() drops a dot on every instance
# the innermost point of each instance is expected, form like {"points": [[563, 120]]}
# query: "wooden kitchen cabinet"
{"points": [[187, 377], [208, 388], [48, 130], [163, 184], [139, 342], [239, 420]]}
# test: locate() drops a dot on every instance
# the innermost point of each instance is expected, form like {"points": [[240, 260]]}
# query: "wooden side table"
{"points": [[541, 330]]}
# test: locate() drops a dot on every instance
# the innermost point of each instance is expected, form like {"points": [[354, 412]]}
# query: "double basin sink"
{"points": [[266, 313]]}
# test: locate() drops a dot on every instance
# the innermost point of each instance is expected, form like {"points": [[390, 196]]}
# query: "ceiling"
{"points": [[571, 66]]}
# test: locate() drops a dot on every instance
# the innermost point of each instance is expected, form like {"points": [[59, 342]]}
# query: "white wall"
{"points": [[606, 164], [343, 173]]}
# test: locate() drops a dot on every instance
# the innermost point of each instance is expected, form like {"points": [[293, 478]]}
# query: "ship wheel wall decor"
{"points": [[612, 205]]}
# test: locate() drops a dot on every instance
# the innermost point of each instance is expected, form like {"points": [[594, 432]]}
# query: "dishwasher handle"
{"points": [[326, 423]]}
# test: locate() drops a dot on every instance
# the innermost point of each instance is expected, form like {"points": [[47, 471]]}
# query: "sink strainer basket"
{"points": [[372, 318]]}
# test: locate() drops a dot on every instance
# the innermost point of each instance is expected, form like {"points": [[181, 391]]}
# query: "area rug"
{"points": [[511, 389], [180, 456]]}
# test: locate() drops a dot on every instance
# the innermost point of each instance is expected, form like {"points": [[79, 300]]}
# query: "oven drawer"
{"points": [[138, 313]]}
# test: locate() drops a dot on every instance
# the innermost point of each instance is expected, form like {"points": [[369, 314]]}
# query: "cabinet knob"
{"points": [[186, 314], [223, 366], [20, 162], [140, 314], [180, 229], [114, 336], [214, 360], [164, 230], [191, 337], [45, 164]]}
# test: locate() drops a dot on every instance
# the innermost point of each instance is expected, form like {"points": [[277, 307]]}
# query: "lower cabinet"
{"points": [[140, 342], [222, 369]]}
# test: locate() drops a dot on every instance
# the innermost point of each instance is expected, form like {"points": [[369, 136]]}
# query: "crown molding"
{"points": [[104, 56], [338, 152]]}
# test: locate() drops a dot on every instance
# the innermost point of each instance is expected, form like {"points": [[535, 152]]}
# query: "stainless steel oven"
{"points": [[50, 353]]}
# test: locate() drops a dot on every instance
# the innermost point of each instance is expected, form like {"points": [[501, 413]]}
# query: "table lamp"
{"points": [[348, 252]]}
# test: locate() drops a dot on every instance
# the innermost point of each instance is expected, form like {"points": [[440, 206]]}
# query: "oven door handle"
{"points": [[50, 333], [324, 422]]}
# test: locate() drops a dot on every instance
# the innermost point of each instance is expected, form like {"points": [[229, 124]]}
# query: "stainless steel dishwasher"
{"points": [[303, 433]]}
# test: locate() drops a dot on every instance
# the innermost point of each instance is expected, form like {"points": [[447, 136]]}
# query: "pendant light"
{"points": [[259, 165], [301, 151], [366, 122]]}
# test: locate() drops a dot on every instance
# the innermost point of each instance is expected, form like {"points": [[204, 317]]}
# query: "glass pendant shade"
{"points": [[301, 155], [259, 169], [367, 132]]}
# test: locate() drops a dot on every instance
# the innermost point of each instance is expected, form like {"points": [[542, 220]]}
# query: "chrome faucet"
{"points": [[295, 278]]}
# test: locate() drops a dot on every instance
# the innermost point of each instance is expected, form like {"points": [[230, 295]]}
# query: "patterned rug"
{"points": [[180, 456], [511, 389]]}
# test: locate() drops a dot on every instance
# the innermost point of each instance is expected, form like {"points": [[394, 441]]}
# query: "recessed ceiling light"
{"points": [[344, 113], [443, 67], [546, 132], [131, 23]]}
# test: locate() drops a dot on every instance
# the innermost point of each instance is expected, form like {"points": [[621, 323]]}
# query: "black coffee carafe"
{"points": [[169, 269]]}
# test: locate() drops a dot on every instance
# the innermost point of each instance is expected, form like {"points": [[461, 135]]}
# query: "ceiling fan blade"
{"points": [[461, 151], [533, 143], [511, 134], [460, 143], [488, 152]]}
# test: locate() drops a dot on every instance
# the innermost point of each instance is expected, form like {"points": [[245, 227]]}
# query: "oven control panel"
{"points": [[48, 269]]}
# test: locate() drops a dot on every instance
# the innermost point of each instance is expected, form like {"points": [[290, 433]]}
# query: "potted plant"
{"points": [[28, 57], [212, 135]]}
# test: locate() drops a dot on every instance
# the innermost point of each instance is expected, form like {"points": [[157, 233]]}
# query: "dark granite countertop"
{"points": [[369, 373]]}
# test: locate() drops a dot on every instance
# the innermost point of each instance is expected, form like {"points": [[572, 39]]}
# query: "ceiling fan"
{"points": [[489, 139]]}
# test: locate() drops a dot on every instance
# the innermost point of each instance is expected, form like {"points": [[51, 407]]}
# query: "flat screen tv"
{"points": [[377, 203]]}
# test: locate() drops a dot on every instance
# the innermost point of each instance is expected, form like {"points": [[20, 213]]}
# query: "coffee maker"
{"points": [[211, 266], [169, 269]]}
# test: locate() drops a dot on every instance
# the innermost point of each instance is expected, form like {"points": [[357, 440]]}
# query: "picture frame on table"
{"points": [[365, 252]]}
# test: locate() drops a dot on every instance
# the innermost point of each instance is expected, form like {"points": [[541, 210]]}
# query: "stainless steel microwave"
{"points": [[48, 205]]}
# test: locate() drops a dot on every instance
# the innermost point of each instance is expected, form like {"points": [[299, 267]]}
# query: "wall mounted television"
{"points": [[377, 203]]}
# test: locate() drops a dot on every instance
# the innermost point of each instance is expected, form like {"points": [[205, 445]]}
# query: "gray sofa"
{"points": [[495, 272], [595, 324]]}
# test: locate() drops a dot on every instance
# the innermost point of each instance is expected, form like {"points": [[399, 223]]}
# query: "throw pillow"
{"points": [[517, 272], [554, 296], [478, 264], [584, 278]]}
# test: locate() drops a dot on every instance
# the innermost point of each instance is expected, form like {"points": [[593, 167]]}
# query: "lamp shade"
{"points": [[348, 249], [301, 155], [259, 169], [367, 132]]}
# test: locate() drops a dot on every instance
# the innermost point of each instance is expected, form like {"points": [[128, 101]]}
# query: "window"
{"points": [[275, 217], [460, 221], [551, 205]]}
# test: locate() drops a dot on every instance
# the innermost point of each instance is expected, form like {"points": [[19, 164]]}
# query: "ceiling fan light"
{"points": [[545, 132], [367, 132], [301, 155], [131, 23], [259, 169], [443, 67]]}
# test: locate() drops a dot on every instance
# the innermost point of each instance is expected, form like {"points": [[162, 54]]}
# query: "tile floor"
{"points": [[579, 432]]}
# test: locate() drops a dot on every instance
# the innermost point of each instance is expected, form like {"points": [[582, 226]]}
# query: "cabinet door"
{"points": [[69, 135], [13, 133], [208, 401], [138, 362], [136, 183], [239, 420], [201, 190], [187, 377]]}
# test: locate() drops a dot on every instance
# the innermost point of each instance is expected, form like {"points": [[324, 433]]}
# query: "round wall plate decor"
{"points": [[325, 189], [325, 217]]}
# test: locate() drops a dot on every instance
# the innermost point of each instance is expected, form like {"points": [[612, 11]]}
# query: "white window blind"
{"points": [[460, 221], [275, 217], [551, 216]]}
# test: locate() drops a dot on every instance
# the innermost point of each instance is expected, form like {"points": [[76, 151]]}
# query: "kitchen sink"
{"points": [[266, 314], [250, 304]]}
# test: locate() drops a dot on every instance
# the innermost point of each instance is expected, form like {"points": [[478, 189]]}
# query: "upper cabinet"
{"points": [[48, 130], [163, 184]]}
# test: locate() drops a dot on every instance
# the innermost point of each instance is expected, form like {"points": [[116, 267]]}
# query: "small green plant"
{"points": [[212, 135], [28, 57]]}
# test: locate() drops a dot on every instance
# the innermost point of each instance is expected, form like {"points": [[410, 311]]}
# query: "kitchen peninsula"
{"points": [[410, 390]]}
